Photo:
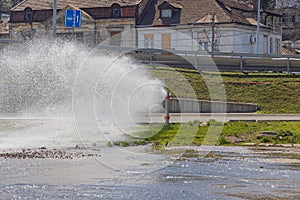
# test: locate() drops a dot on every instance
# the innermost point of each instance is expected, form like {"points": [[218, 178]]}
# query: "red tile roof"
{"points": [[48, 4]]}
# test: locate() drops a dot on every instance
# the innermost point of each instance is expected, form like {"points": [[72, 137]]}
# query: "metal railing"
{"points": [[225, 61]]}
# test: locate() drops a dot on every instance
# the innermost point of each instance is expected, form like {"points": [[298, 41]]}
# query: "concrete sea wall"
{"points": [[201, 106]]}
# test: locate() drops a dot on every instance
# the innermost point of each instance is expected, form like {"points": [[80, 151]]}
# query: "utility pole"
{"points": [[258, 26], [213, 34], [54, 18], [167, 111]]}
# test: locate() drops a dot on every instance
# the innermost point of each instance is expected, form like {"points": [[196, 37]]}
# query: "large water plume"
{"points": [[57, 79], [39, 76]]}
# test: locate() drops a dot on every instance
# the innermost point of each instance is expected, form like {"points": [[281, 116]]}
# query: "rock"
{"points": [[266, 145], [262, 134], [203, 124], [284, 145], [249, 144], [296, 145], [156, 145], [235, 139], [167, 144]]}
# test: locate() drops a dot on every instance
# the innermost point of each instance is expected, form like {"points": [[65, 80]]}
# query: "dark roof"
{"points": [[247, 6], [48, 4], [240, 5], [196, 11]]}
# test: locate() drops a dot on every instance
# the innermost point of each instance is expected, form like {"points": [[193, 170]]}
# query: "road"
{"points": [[186, 117], [224, 117]]}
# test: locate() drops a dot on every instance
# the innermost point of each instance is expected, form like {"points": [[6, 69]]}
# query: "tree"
{"points": [[268, 4], [5, 6], [291, 20]]}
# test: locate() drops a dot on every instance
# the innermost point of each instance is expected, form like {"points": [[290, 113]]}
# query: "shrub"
{"points": [[223, 141], [266, 140]]}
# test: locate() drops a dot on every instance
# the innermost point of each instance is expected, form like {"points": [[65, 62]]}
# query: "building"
{"points": [[290, 19], [100, 20], [170, 24], [286, 3], [188, 25]]}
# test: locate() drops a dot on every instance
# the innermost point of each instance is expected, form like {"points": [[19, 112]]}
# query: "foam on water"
{"points": [[93, 90]]}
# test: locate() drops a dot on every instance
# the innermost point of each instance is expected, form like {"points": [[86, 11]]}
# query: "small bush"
{"points": [[223, 141], [110, 144], [266, 140], [213, 122], [287, 137], [124, 144]]}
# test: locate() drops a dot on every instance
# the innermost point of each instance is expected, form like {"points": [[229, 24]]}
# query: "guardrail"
{"points": [[202, 60], [225, 61], [198, 53]]}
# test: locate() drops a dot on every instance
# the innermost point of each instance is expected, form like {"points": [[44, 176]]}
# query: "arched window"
{"points": [[116, 10], [28, 14]]}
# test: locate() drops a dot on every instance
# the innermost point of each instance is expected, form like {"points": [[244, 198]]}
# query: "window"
{"points": [[116, 11], [115, 39], [203, 46], [166, 41], [28, 14], [287, 18], [265, 44], [148, 41], [277, 46], [165, 13], [202, 39], [271, 45]]}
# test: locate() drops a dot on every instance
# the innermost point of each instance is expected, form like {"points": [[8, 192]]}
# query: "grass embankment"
{"points": [[233, 133], [273, 92]]}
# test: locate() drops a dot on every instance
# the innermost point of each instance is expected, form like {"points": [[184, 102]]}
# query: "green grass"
{"points": [[273, 92], [232, 133]]}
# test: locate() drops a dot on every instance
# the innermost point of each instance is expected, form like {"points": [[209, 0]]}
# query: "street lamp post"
{"points": [[212, 35], [54, 18], [258, 26]]}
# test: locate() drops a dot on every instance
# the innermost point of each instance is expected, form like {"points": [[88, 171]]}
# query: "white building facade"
{"points": [[188, 26], [228, 38]]}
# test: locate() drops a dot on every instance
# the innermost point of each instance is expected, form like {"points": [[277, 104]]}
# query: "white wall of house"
{"points": [[122, 35], [184, 40], [157, 37], [181, 38], [128, 37], [269, 43], [236, 39]]}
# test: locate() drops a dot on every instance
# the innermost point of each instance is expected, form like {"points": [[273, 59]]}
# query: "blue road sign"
{"points": [[73, 18]]}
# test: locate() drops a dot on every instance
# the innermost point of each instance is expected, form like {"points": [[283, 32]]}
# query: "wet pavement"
{"points": [[137, 173]]}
